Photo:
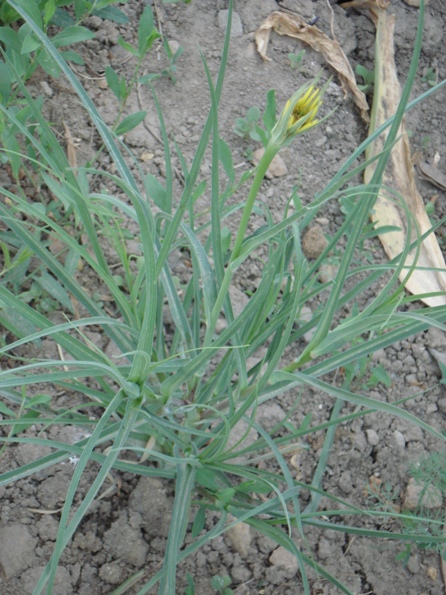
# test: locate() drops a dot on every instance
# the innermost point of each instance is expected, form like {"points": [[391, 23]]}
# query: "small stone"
{"points": [[240, 538], [48, 91], [372, 437], [277, 167], [174, 46], [432, 573], [147, 156], [284, 559], [327, 272], [417, 494], [400, 441], [102, 84], [314, 242], [236, 25], [413, 565]]}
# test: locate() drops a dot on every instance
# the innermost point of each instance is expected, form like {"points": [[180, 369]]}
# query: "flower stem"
{"points": [[265, 161], [269, 154]]}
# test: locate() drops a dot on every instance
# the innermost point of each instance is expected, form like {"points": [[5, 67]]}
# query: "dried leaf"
{"points": [[295, 26], [432, 174], [400, 176], [415, 3], [71, 148]]}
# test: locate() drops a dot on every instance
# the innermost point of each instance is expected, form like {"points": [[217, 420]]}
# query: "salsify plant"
{"points": [[176, 392]]}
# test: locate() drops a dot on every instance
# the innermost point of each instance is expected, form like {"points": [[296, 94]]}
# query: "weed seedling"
{"points": [[296, 59], [368, 76]]}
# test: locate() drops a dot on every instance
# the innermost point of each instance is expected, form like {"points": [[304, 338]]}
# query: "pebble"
{"points": [[277, 167], [174, 46], [400, 441], [413, 565], [240, 538], [431, 408], [327, 272], [314, 242], [48, 91], [418, 494], [372, 437]]}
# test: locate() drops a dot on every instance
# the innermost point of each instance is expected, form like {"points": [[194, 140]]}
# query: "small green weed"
{"points": [[221, 585], [296, 59], [430, 77], [368, 77]]}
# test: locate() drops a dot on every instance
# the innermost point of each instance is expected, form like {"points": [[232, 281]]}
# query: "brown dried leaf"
{"points": [[400, 176], [295, 26], [71, 148], [432, 174]]}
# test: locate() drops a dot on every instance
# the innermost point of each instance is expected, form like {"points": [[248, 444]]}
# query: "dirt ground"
{"points": [[125, 531]]}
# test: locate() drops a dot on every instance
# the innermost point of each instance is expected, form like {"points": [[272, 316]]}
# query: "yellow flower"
{"points": [[299, 114], [306, 107]]}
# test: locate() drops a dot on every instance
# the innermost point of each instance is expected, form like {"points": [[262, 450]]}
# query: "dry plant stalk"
{"points": [[400, 174], [71, 148], [293, 25]]}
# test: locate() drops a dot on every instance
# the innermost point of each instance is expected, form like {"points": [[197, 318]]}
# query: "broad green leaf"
{"points": [[111, 13], [155, 190], [117, 85], [130, 122], [48, 11], [63, 19], [30, 44], [147, 33], [72, 35]]}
